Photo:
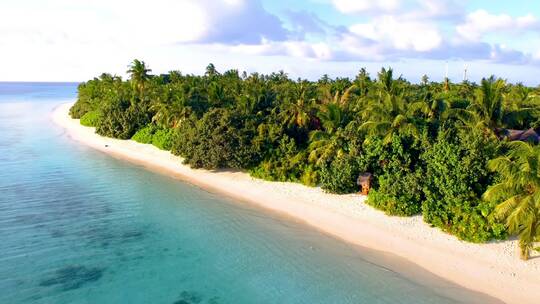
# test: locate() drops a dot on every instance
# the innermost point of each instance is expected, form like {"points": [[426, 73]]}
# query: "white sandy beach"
{"points": [[494, 269]]}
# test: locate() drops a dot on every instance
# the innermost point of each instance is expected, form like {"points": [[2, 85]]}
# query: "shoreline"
{"points": [[493, 268]]}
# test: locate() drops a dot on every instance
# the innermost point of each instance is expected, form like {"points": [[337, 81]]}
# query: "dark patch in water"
{"points": [[132, 235], [102, 237], [73, 277], [189, 297], [28, 219], [57, 233]]}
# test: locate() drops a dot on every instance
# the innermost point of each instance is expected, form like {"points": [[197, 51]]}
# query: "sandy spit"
{"points": [[494, 269]]}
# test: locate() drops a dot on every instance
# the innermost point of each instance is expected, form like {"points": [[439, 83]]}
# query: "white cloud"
{"points": [[413, 8], [358, 6], [78, 39], [137, 21], [122, 21], [400, 34], [480, 22], [536, 55], [436, 8], [75, 39], [298, 49]]}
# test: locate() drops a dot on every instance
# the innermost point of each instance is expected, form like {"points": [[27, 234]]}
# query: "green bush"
{"points": [[121, 119], [152, 134], [340, 175], [163, 139], [281, 160], [145, 135], [90, 119], [92, 93], [310, 176], [383, 202], [217, 140], [284, 163], [397, 194], [396, 186], [79, 109], [456, 167]]}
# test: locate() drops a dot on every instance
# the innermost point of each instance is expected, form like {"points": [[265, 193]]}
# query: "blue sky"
{"points": [[74, 40]]}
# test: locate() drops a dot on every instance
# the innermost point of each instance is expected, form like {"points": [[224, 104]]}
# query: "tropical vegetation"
{"points": [[433, 149]]}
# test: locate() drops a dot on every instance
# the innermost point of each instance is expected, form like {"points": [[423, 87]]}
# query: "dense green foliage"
{"points": [[456, 165], [90, 119], [218, 140], [519, 191], [398, 188], [120, 119], [145, 135], [339, 176], [427, 145], [152, 134]]}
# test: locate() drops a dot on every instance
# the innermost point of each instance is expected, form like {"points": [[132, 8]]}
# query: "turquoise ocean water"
{"points": [[78, 226]]}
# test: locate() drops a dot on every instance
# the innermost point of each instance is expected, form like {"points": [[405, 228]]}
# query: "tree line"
{"points": [[435, 149]]}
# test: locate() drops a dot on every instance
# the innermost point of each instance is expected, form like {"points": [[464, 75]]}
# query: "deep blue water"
{"points": [[78, 226]]}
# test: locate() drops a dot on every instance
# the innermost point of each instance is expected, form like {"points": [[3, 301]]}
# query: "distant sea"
{"points": [[78, 226]]}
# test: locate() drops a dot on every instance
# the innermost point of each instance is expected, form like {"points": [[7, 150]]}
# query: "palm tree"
{"points": [[170, 114], [138, 72], [465, 90], [298, 113], [488, 103], [337, 98], [490, 110], [521, 105], [324, 146], [431, 108], [386, 79], [211, 70], [389, 116], [519, 191], [332, 117], [328, 142], [363, 82]]}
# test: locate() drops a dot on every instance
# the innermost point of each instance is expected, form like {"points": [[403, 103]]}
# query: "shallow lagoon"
{"points": [[78, 226]]}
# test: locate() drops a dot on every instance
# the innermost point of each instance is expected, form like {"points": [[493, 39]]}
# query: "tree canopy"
{"points": [[432, 148]]}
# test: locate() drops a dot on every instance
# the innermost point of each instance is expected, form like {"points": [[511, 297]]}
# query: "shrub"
{"points": [[217, 140], [121, 119], [282, 158], [90, 119], [145, 135], [151, 134], [286, 162], [456, 167], [80, 108], [163, 139], [397, 174], [340, 175], [92, 93], [398, 193], [310, 176]]}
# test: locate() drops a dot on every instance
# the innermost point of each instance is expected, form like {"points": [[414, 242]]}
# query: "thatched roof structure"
{"points": [[364, 178], [529, 135]]}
